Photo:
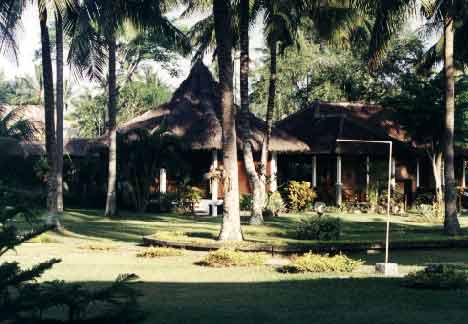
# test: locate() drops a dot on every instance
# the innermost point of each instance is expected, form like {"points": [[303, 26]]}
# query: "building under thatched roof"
{"points": [[78, 147], [321, 124], [194, 115]]}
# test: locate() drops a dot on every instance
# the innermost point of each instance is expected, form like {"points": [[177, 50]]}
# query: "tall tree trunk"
{"points": [[111, 202], [59, 94], [270, 106], [49, 117], [258, 199], [230, 229], [451, 224], [271, 92]]}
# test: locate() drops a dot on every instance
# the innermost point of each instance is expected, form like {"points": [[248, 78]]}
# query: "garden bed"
{"points": [[303, 247]]}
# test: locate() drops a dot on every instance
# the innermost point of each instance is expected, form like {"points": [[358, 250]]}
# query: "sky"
{"points": [[28, 39]]}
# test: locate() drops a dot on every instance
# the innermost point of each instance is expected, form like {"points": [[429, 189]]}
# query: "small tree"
{"points": [[143, 153], [22, 300]]}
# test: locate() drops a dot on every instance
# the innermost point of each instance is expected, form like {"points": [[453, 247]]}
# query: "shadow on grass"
{"points": [[415, 257], [296, 300], [131, 227]]}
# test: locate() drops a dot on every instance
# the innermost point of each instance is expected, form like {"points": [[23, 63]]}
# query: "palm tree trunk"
{"points": [[59, 94], [451, 224], [230, 229], [49, 117], [270, 106], [271, 92], [258, 199], [111, 202]]}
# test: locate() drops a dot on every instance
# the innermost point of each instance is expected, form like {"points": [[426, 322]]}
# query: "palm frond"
{"points": [[390, 16]]}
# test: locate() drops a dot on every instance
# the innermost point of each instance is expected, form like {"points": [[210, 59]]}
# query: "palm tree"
{"points": [[222, 14], [59, 117], [389, 17], [49, 109], [95, 29], [14, 125], [10, 13], [255, 181]]}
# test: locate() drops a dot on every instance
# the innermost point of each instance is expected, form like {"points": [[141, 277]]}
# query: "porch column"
{"points": [[463, 174], [417, 174], [339, 185], [367, 175], [314, 171], [442, 176], [214, 183], [273, 172], [393, 174], [162, 181]]}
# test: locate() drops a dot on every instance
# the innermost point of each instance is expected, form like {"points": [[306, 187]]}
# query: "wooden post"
{"points": [[273, 172], [162, 181], [214, 183], [367, 176], [339, 193], [314, 171], [418, 184]]}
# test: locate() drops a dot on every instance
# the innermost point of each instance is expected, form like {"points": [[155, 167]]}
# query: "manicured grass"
{"points": [[176, 290], [95, 250], [131, 227]]}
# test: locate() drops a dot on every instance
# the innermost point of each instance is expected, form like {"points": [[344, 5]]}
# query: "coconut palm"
{"points": [[95, 30], [13, 124], [389, 17], [222, 14]]}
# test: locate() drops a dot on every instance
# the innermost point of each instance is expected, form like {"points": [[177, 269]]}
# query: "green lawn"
{"points": [[95, 250], [131, 227]]}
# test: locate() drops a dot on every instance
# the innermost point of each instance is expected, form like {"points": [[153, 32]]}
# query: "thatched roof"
{"points": [[321, 124], [77, 147], [194, 115]]}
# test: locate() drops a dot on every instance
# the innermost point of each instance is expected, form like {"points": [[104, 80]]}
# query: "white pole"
{"points": [[162, 181], [214, 183], [339, 197], [393, 173], [387, 236], [417, 174], [314, 171], [273, 172]]}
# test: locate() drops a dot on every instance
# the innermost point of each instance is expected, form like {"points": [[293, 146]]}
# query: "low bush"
{"points": [[438, 276], [311, 262], [322, 228], [231, 258], [274, 204], [300, 195], [157, 252], [43, 238], [245, 202]]}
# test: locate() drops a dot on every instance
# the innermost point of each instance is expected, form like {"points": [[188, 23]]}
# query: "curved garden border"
{"points": [[461, 242]]}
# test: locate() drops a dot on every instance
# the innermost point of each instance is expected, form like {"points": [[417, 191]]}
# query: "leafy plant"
{"points": [[438, 276], [189, 198], [300, 195], [245, 202], [23, 300], [274, 204], [323, 228], [156, 252], [229, 258], [311, 262]]}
